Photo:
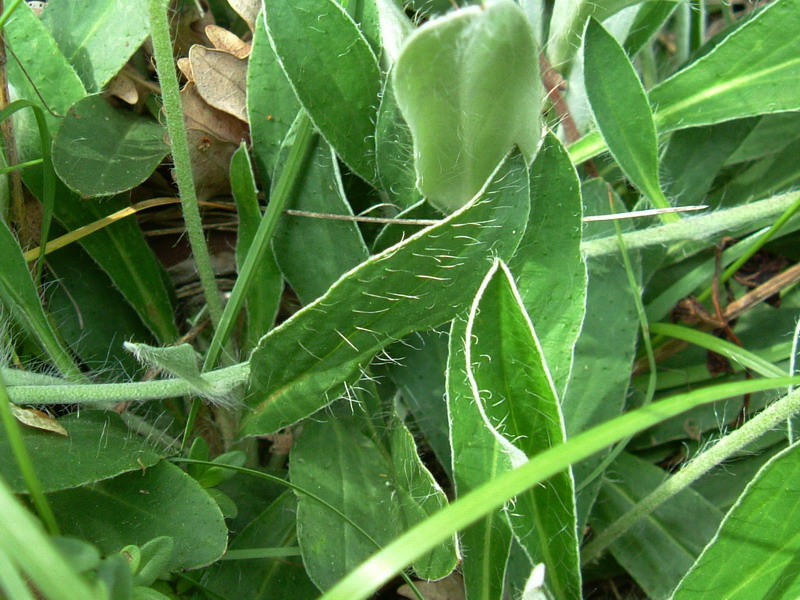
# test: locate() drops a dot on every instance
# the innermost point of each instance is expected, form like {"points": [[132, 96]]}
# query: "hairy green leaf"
{"points": [[753, 71], [477, 458], [469, 106], [313, 252], [515, 393], [760, 529], [303, 365], [136, 507], [621, 110], [548, 263], [333, 72]]}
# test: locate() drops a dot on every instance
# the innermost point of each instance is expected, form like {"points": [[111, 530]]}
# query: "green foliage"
{"points": [[412, 348], [99, 151]]}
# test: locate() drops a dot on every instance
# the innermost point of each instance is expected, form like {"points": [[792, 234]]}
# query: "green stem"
{"points": [[137, 391], [20, 452], [732, 443], [279, 198], [700, 228], [19, 166], [8, 12], [173, 110]]}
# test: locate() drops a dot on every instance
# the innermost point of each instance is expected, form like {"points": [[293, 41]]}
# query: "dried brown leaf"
{"points": [[211, 160], [198, 114], [38, 420], [222, 39], [185, 65], [248, 10], [123, 87], [221, 80]]}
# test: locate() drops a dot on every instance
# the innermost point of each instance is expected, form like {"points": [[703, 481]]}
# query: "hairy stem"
{"points": [[137, 391], [167, 77], [701, 228]]}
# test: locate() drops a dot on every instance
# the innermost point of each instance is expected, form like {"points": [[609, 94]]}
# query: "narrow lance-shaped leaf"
{"points": [[467, 107], [622, 112], [333, 72], [420, 283], [515, 394], [419, 496], [477, 459], [264, 295], [379, 568], [761, 528], [753, 71], [549, 266], [271, 103], [605, 349]]}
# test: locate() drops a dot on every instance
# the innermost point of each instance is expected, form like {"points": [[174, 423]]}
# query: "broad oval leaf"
{"points": [[516, 396], [468, 85], [136, 507], [621, 110], [120, 249], [98, 37], [333, 72], [265, 578], [761, 530], [99, 446], [418, 284], [339, 464], [99, 151], [753, 71]]}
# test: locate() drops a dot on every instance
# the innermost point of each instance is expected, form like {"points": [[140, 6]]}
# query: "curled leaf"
{"points": [[38, 420]]}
